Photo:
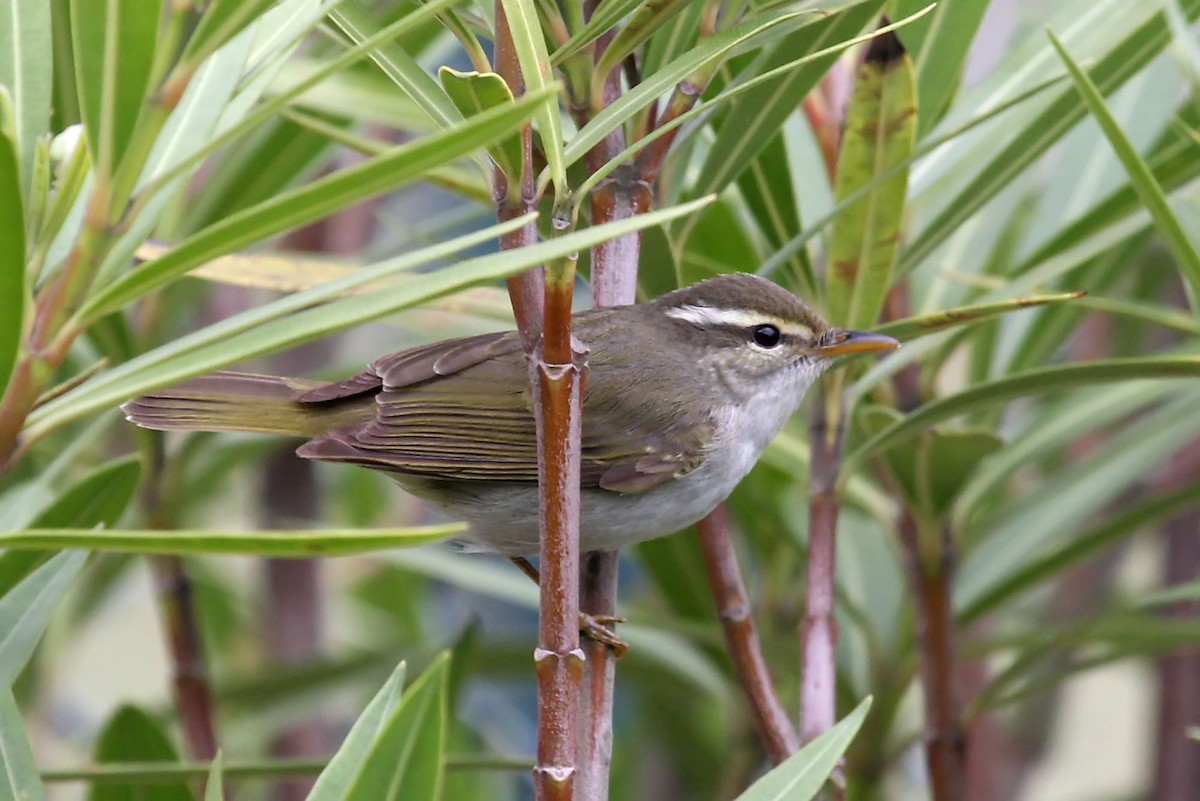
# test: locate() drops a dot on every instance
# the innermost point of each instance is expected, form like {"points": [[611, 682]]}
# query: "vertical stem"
{"points": [[774, 729], [929, 556], [614, 283], [189, 671], [819, 630], [558, 371]]}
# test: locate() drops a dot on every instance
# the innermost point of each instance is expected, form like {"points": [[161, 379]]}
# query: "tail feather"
{"points": [[259, 404]]}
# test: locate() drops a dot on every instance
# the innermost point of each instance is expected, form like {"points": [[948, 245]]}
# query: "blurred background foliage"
{"points": [[256, 176]]}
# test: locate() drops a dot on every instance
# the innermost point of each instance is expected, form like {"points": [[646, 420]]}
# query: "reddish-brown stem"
{"points": [[189, 671], [929, 557], [819, 635], [597, 596], [559, 660], [733, 607]]}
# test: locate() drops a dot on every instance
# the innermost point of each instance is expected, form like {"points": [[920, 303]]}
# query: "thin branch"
{"points": [[176, 598], [929, 556], [819, 634], [777, 733]]}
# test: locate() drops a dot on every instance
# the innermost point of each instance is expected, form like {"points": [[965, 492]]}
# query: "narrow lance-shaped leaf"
{"points": [[312, 202], [204, 353], [279, 544], [359, 24], [1034, 382], [26, 69], [222, 20], [474, 92], [939, 46], [18, 774], [334, 782], [802, 775], [534, 59], [214, 787], [1140, 176], [115, 42], [604, 19], [26, 609], [756, 116], [913, 327], [880, 131], [405, 762], [1120, 63], [649, 17], [12, 258]]}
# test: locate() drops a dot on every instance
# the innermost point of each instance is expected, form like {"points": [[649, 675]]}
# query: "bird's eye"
{"points": [[766, 336]]}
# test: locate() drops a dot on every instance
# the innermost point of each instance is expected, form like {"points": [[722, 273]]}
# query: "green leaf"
{"points": [[334, 782], [879, 134], [530, 45], [19, 780], [951, 459], [801, 776], [1024, 147], [214, 787], [914, 327], [25, 611], [1151, 193], [222, 20], [306, 204], [758, 115], [405, 761], [115, 42], [650, 89], [939, 45], [203, 352], [1104, 535], [133, 736], [359, 24], [26, 69], [649, 17], [279, 544], [474, 92], [98, 499], [1033, 382], [12, 259], [603, 19]]}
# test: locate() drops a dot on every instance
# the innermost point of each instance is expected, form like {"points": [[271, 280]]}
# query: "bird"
{"points": [[683, 395]]}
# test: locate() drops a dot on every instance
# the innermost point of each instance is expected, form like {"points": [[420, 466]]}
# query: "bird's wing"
{"points": [[461, 410]]}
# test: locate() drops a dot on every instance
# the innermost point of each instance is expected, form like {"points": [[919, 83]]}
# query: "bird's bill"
{"points": [[844, 343]]}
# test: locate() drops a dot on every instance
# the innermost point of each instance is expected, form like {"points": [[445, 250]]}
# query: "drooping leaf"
{"points": [[880, 132]]}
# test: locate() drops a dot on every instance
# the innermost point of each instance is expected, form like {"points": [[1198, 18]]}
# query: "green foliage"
{"points": [[1028, 232]]}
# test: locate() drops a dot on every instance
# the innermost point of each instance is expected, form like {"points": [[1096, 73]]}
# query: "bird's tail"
{"points": [[260, 404]]}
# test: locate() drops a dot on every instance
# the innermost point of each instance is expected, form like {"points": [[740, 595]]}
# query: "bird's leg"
{"points": [[594, 627]]}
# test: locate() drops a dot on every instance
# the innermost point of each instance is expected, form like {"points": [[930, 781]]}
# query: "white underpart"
{"points": [[506, 519]]}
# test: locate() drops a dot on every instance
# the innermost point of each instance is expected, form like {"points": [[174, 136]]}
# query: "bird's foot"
{"points": [[595, 628]]}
